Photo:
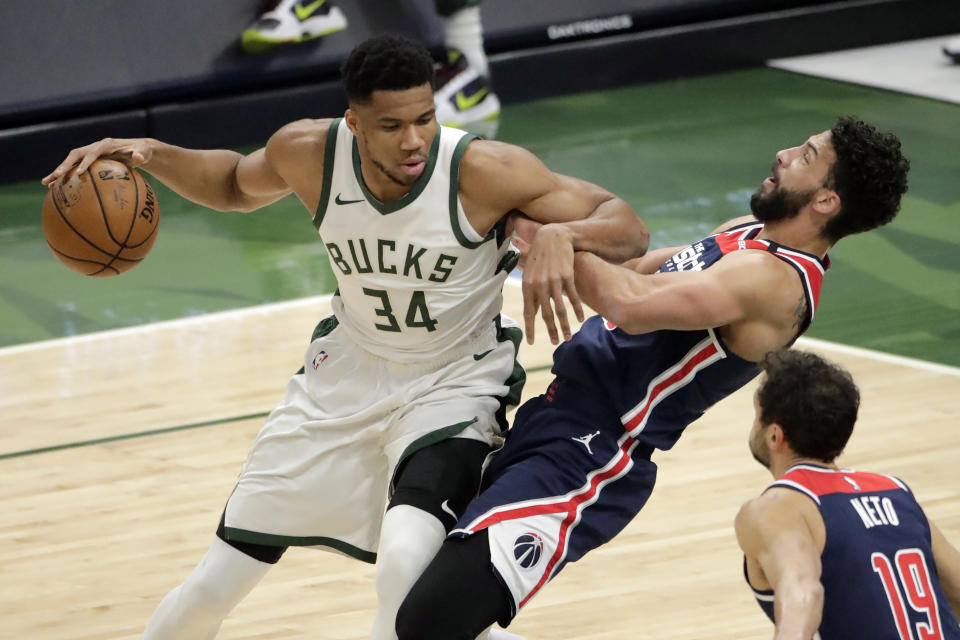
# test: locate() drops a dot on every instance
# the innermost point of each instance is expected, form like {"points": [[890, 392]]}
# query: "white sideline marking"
{"points": [[205, 318], [216, 316]]}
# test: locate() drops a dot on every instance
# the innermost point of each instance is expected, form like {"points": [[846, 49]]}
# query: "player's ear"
{"points": [[826, 201], [350, 117], [776, 439]]}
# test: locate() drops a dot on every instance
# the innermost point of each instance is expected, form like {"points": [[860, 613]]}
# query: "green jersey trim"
{"points": [[433, 437], [253, 537], [458, 152], [410, 196], [517, 378], [329, 151]]}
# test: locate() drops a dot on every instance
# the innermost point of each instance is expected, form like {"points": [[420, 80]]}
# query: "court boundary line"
{"points": [[162, 430], [816, 343], [129, 436], [161, 325]]}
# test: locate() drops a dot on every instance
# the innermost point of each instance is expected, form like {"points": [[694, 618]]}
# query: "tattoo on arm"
{"points": [[800, 313]]}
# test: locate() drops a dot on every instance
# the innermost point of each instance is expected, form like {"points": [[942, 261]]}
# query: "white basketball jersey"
{"points": [[414, 278]]}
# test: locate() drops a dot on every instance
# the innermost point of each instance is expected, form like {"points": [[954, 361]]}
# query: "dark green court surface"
{"points": [[686, 154]]}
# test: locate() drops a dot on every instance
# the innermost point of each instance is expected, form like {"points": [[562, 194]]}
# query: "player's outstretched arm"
{"points": [[651, 262], [947, 558], [745, 285], [219, 179], [775, 535], [499, 178]]}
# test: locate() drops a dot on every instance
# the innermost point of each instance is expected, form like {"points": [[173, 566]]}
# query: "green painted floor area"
{"points": [[686, 154]]}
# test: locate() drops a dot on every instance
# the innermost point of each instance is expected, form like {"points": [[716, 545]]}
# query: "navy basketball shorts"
{"points": [[567, 480]]}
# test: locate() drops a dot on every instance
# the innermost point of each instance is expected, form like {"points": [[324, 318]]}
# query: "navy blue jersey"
{"points": [[659, 382], [879, 578]]}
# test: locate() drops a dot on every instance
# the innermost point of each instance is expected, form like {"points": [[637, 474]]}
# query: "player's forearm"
{"points": [[604, 286], [207, 177], [612, 231]]}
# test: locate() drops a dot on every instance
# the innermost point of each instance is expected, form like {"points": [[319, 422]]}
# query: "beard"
{"points": [[401, 180], [759, 450], [779, 204]]}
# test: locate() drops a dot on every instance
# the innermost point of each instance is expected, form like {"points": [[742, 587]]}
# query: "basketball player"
{"points": [[681, 328], [832, 553], [404, 387]]}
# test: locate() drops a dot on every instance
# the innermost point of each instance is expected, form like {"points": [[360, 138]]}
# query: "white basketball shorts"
{"points": [[319, 470]]}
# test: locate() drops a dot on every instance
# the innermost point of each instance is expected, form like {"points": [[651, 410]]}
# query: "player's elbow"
{"points": [[805, 595], [633, 236], [813, 594], [623, 311]]}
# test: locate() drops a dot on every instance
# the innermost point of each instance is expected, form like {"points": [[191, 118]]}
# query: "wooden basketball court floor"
{"points": [[101, 518]]}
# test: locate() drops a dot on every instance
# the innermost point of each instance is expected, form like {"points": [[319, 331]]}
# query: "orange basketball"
{"points": [[102, 222]]}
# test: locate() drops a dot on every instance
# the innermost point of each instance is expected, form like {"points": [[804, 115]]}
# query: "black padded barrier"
{"points": [[174, 70]]}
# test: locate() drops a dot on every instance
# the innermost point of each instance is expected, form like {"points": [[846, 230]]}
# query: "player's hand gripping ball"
{"points": [[102, 222]]}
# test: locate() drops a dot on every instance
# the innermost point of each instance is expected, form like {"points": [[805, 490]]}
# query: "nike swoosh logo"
{"points": [[339, 201], [464, 103], [481, 356], [305, 11], [445, 506]]}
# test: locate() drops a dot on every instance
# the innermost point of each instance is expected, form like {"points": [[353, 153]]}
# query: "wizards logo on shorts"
{"points": [[527, 549]]}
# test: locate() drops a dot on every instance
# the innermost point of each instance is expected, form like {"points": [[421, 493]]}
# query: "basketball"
{"points": [[102, 222]]}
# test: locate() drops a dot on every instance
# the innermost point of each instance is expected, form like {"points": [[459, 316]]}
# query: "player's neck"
{"points": [[796, 233], [781, 464], [380, 186]]}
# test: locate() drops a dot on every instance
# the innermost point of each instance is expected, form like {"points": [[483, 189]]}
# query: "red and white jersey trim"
{"points": [[820, 481], [702, 355], [563, 513]]}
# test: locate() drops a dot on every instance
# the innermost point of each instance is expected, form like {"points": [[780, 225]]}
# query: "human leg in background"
{"points": [[464, 95]]}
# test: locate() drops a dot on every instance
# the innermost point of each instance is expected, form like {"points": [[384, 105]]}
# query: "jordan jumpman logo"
{"points": [[585, 440]]}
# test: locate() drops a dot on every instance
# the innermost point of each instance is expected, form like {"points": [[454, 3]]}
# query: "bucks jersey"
{"points": [[414, 278], [879, 578]]}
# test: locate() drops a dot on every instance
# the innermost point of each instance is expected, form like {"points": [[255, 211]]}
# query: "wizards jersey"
{"points": [[879, 577], [414, 280], [659, 382]]}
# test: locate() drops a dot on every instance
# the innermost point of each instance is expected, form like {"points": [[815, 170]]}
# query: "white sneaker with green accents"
{"points": [[291, 21], [464, 98]]}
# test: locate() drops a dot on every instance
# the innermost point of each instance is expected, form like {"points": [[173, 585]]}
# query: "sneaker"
{"points": [[952, 49], [464, 98], [293, 21]]}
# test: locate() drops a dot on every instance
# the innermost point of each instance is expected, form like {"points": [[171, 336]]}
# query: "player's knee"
{"points": [[409, 539], [397, 569]]}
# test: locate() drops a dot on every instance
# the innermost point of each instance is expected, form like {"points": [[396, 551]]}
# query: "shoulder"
{"points": [[755, 266], [733, 222], [298, 147], [774, 508], [300, 136], [492, 159], [503, 174]]}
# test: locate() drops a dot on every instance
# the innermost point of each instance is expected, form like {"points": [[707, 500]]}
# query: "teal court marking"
{"points": [[804, 342], [686, 154], [156, 432]]}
